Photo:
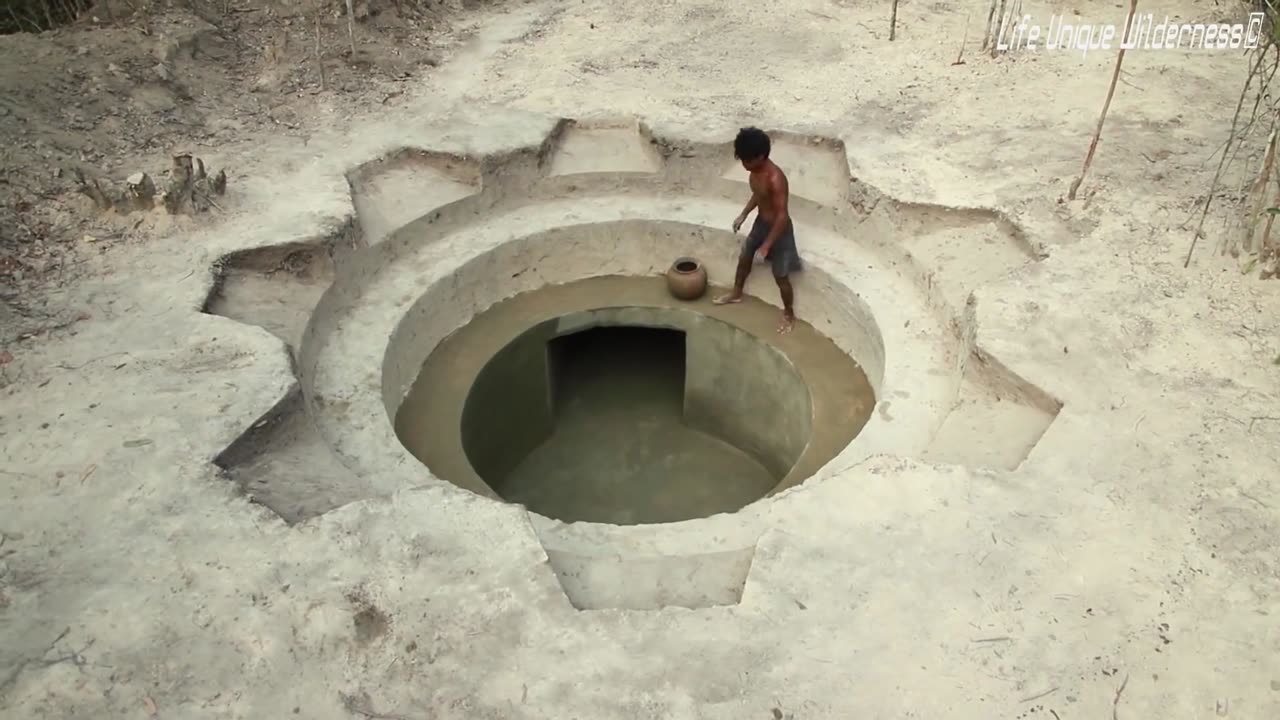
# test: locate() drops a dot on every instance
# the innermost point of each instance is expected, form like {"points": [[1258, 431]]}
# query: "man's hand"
{"points": [[763, 252], [737, 222]]}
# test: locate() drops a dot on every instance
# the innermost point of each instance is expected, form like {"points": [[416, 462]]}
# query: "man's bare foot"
{"points": [[729, 299], [788, 322]]}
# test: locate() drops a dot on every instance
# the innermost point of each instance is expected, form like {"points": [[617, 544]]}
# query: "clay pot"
{"points": [[687, 279]]}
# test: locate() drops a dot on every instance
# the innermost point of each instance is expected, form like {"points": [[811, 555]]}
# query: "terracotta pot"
{"points": [[687, 279]]}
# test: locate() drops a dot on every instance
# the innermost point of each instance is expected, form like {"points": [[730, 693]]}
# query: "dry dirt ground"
{"points": [[1131, 571], [121, 91]]}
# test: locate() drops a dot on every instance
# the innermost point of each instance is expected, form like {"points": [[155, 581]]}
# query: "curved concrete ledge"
{"points": [[423, 292]]}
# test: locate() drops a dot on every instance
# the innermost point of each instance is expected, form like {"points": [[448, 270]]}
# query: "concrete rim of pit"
{"points": [[357, 361]]}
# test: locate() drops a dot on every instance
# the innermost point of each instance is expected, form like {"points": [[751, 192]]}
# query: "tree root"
{"points": [[190, 189]]}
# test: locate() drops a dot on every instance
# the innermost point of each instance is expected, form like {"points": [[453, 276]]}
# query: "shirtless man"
{"points": [[771, 238]]}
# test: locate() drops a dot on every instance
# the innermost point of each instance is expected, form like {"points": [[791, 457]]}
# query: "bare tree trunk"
{"points": [[963, 39], [1266, 246], [893, 20], [1258, 191], [1102, 117], [999, 30], [319, 58], [351, 26], [986, 38]]}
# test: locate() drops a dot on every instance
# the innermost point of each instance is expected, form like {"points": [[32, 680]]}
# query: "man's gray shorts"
{"points": [[783, 256]]}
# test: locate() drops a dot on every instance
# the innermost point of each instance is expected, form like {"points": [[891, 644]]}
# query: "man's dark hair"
{"points": [[751, 144]]}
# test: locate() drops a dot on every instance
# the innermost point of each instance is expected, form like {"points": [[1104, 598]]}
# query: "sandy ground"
{"points": [[1127, 570]]}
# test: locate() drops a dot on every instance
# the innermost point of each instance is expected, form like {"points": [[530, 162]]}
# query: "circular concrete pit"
{"points": [[500, 324], [583, 408]]}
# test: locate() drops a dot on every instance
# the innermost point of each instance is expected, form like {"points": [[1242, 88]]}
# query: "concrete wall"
{"points": [[508, 411], [595, 582], [737, 388], [746, 393]]}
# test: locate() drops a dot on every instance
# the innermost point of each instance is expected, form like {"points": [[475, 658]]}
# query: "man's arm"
{"points": [[778, 198], [751, 205]]}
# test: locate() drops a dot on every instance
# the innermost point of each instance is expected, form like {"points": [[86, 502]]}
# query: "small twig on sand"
{"points": [[1115, 704], [65, 366], [1254, 420], [893, 21], [1106, 105], [963, 39], [1050, 691], [16, 672], [1244, 494]]}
